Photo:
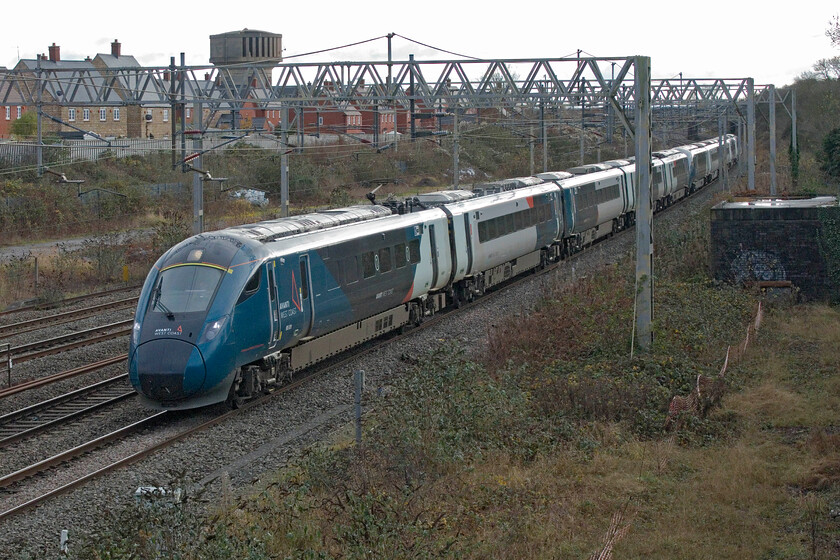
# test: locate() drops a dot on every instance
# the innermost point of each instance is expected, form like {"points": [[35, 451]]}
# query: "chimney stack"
{"points": [[115, 48], [55, 53]]}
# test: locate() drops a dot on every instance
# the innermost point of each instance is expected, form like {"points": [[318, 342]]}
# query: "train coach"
{"points": [[224, 315]]}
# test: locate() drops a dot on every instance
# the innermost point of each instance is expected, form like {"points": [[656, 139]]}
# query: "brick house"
{"points": [[108, 120], [9, 110], [146, 116], [120, 116]]}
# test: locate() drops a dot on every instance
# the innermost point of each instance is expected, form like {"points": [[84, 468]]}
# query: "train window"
{"points": [[251, 287], [414, 251], [368, 264], [185, 289], [491, 229], [334, 270], [482, 231], [400, 255], [304, 282], [510, 227], [517, 221], [272, 290], [385, 259], [351, 269]]}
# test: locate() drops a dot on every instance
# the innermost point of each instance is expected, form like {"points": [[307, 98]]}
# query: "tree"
{"points": [[827, 68], [26, 125], [794, 162], [833, 31], [831, 154]]}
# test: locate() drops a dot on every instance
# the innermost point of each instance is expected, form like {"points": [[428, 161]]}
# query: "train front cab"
{"points": [[166, 364], [182, 349]]}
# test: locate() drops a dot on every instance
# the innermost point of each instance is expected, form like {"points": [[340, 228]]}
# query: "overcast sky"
{"points": [[771, 42]]}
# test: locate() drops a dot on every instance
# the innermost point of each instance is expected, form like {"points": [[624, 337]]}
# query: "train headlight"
{"points": [[212, 329], [135, 333]]}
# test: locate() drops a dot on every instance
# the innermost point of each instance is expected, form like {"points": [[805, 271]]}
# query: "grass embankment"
{"points": [[554, 444]]}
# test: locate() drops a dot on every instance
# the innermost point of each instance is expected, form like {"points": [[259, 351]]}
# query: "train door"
{"points": [[273, 304], [433, 242], [306, 300], [469, 240]]}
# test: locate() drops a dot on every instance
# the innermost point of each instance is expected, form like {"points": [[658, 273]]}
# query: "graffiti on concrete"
{"points": [[761, 266]]}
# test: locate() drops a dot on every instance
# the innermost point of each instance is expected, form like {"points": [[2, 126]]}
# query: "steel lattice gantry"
{"points": [[465, 84]]}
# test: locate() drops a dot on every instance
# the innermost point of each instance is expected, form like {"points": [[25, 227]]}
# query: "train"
{"points": [[225, 315]]}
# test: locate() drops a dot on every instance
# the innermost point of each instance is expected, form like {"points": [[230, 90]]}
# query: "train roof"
{"points": [[554, 175], [325, 238], [579, 180], [588, 168], [506, 185], [270, 230], [444, 197], [489, 199]]}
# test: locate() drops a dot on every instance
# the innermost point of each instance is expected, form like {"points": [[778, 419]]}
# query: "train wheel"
{"points": [[234, 399]]}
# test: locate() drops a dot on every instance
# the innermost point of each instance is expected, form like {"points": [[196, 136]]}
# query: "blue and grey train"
{"points": [[224, 315]]}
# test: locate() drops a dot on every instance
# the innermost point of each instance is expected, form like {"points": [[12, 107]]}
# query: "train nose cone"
{"points": [[169, 369]]}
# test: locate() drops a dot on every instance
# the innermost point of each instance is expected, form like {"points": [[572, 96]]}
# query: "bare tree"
{"points": [[827, 68], [833, 31]]}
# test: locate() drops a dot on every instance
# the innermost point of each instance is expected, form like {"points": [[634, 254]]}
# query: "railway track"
{"points": [[14, 329], [9, 482], [63, 343], [41, 306], [37, 418], [41, 381]]}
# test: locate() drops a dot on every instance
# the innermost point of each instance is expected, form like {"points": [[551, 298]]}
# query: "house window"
{"points": [[166, 115], [8, 113], [86, 115], [19, 111], [188, 112], [103, 114], [116, 113], [71, 114], [320, 121]]}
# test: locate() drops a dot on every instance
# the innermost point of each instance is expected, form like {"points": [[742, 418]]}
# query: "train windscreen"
{"points": [[185, 289]]}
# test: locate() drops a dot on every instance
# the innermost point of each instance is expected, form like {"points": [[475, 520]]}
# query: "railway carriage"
{"points": [[498, 236], [596, 205]]}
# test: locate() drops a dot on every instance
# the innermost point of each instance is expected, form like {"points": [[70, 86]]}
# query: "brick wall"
{"points": [[766, 244]]}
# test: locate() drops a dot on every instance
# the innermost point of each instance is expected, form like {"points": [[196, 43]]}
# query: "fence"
{"points": [[19, 154], [708, 390]]}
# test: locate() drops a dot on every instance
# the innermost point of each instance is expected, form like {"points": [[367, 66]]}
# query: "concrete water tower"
{"points": [[248, 56], [246, 47]]}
